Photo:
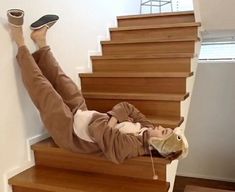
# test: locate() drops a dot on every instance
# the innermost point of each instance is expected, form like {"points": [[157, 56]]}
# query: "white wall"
{"points": [[210, 126], [217, 14], [75, 34], [216, 17]]}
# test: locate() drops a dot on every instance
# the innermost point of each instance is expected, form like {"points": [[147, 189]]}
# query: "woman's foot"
{"points": [[39, 37]]}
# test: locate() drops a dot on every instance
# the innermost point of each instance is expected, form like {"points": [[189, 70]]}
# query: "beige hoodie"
{"points": [[117, 145]]}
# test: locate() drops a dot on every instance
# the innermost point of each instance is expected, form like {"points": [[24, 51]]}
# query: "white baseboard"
{"points": [[171, 173], [201, 176], [26, 165]]}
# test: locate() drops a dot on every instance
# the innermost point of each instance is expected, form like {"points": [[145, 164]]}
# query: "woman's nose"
{"points": [[160, 127]]}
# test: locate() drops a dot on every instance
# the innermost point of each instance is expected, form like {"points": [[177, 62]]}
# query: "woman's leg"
{"points": [[53, 72], [55, 114]]}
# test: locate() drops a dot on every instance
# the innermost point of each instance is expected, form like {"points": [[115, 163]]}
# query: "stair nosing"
{"points": [[155, 15], [160, 26], [172, 55], [162, 118], [149, 41], [133, 75], [136, 96]]}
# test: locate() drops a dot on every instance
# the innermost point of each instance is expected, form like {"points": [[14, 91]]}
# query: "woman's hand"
{"points": [[130, 119], [112, 122]]}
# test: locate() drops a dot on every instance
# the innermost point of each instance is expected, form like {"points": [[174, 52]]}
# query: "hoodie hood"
{"points": [[175, 146]]}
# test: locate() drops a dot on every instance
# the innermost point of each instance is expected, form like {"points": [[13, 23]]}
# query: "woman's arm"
{"points": [[124, 111], [115, 145], [112, 122]]}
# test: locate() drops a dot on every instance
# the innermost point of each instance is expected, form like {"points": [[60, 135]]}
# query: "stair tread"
{"points": [[49, 145], [136, 96], [161, 120], [159, 26], [156, 15], [147, 56], [135, 41], [134, 74], [59, 180]]}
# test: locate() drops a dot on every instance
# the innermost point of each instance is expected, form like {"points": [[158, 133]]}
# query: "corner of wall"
{"points": [[26, 165], [170, 173]]}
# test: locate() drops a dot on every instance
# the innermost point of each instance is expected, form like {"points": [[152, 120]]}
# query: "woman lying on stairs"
{"points": [[121, 133]]}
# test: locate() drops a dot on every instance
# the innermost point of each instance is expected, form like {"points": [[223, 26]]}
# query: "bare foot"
{"points": [[17, 35], [39, 37]]}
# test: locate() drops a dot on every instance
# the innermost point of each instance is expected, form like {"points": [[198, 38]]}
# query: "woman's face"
{"points": [[160, 132]]}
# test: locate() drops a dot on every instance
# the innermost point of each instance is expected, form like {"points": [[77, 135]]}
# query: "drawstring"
{"points": [[147, 145], [155, 176]]}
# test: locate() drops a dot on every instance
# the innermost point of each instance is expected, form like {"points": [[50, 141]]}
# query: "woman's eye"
{"points": [[179, 138], [165, 131]]}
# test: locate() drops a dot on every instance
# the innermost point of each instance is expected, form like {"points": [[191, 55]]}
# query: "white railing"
{"points": [[158, 6]]}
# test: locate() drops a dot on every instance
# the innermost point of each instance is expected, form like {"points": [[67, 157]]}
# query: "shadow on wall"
{"points": [[210, 125]]}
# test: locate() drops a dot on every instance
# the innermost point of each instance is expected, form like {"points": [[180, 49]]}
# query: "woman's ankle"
{"points": [[17, 35], [39, 37]]}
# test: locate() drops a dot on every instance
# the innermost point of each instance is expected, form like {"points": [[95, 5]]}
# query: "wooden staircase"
{"points": [[146, 63]]}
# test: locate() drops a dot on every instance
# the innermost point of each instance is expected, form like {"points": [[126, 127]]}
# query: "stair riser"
{"points": [[148, 48], [142, 65], [134, 85], [169, 125], [155, 20], [141, 170], [154, 108], [148, 34]]}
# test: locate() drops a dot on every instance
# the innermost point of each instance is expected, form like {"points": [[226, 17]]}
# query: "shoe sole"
{"points": [[42, 22]]}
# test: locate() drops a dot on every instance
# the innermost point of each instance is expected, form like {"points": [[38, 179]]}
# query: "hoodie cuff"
{"points": [[119, 115]]}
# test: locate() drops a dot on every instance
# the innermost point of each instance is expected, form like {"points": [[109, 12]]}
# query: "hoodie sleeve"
{"points": [[115, 145], [123, 110]]}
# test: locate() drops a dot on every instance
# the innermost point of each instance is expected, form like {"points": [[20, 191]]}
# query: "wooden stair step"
{"points": [[146, 56], [45, 179], [159, 18], [47, 153], [134, 82], [136, 96], [146, 46], [142, 65], [161, 32], [134, 75], [160, 26], [165, 121], [150, 41], [147, 107], [157, 15]]}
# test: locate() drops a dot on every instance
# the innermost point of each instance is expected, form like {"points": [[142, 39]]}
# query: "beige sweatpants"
{"points": [[54, 94]]}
